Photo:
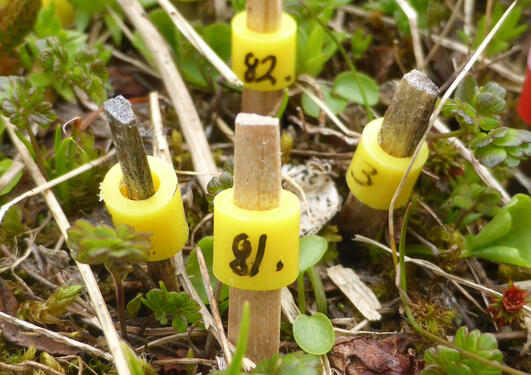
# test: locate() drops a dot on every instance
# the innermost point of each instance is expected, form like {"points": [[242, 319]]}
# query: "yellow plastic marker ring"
{"points": [[374, 175], [256, 250], [264, 61], [161, 214]]}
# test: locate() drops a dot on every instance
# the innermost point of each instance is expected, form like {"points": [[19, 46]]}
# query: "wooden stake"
{"points": [[404, 123], [136, 172], [263, 16], [257, 187]]}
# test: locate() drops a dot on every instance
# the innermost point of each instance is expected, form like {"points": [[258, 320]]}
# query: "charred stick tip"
{"points": [[119, 109]]}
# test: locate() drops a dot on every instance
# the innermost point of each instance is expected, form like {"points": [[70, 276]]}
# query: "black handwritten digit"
{"points": [[268, 75], [368, 175], [251, 62], [259, 255], [250, 73], [241, 248]]}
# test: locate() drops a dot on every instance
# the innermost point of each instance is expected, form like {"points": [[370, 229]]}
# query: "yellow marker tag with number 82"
{"points": [[264, 61], [374, 175], [256, 250]]}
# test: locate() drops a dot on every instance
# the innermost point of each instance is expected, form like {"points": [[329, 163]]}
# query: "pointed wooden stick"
{"points": [[136, 173], [257, 187], [404, 124]]}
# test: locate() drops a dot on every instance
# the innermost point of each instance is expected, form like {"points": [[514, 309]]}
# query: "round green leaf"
{"points": [[335, 103], [345, 85], [311, 250], [314, 334]]}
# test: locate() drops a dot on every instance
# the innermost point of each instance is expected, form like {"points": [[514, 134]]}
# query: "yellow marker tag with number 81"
{"points": [[374, 175], [162, 214], [264, 61], [256, 250]]}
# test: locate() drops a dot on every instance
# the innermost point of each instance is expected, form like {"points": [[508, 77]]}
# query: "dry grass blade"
{"points": [[107, 325], [438, 110], [82, 347], [213, 304], [204, 49], [56, 181], [412, 17], [191, 126]]}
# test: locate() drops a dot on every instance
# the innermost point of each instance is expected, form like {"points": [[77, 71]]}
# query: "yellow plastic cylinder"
{"points": [[162, 214], [256, 250], [374, 175], [264, 61]]}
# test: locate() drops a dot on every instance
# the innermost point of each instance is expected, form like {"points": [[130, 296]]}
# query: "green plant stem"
{"points": [[454, 133], [300, 293], [345, 56], [404, 298], [120, 299], [36, 149], [318, 290]]}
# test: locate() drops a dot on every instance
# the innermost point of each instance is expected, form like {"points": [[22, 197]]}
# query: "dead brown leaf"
{"points": [[367, 356], [19, 335]]}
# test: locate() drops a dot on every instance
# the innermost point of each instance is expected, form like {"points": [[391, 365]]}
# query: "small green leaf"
{"points": [[311, 250], [133, 306], [493, 157], [346, 86], [297, 363], [314, 334], [192, 269], [506, 238], [336, 103]]}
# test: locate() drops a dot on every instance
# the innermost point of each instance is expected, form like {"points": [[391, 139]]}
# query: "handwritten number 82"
{"points": [[252, 63]]}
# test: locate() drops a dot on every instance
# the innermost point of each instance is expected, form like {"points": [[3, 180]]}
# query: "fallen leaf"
{"points": [[367, 356], [21, 336]]}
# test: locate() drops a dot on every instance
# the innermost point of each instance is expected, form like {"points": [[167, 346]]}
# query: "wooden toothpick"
{"points": [[263, 16], [257, 186], [404, 123], [136, 172]]}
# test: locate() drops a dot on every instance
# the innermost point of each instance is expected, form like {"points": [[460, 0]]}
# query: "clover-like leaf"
{"points": [[179, 306]]}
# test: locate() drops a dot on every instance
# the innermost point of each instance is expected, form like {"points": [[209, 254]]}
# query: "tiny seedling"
{"points": [[508, 308], [102, 244], [179, 306], [477, 110], [311, 250], [444, 360]]}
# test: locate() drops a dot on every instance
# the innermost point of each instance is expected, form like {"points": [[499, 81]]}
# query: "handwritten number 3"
{"points": [[241, 248], [252, 63]]}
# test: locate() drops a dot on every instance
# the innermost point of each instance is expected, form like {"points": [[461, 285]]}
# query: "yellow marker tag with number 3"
{"points": [[256, 250], [374, 175], [264, 61]]}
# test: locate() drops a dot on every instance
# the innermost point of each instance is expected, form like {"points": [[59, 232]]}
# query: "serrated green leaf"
{"points": [[492, 157]]}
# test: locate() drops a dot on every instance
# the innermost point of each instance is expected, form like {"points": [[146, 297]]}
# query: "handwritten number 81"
{"points": [[241, 248]]}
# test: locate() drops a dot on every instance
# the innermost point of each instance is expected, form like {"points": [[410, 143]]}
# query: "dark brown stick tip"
{"points": [[421, 82], [119, 109]]}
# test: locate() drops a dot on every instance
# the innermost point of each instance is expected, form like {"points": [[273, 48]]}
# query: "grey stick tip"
{"points": [[421, 82], [119, 109]]}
